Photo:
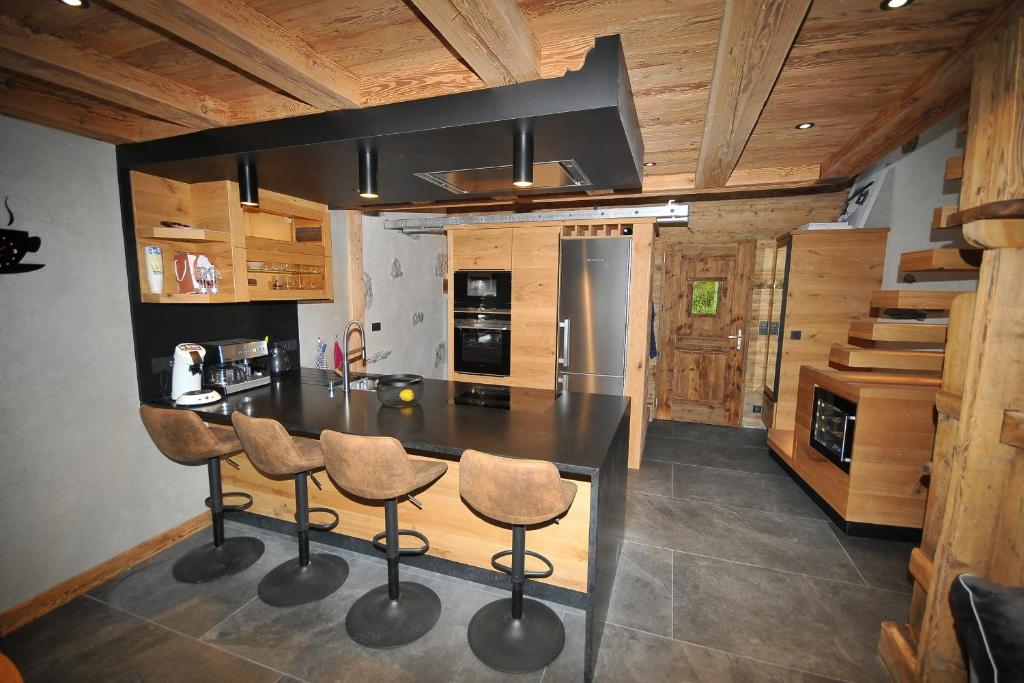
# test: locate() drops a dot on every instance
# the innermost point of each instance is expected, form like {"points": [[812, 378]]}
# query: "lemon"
{"points": [[406, 395]]}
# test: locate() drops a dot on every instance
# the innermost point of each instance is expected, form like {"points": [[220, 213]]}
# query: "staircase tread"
{"points": [[882, 329], [914, 298]]}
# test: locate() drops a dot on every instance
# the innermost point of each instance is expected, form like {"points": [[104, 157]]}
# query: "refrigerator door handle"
{"points": [[563, 360]]}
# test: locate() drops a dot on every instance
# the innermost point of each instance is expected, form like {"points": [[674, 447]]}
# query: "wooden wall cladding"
{"points": [[731, 221], [535, 264], [456, 533]]}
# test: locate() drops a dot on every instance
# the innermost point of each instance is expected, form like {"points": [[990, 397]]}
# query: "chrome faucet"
{"points": [[362, 341]]}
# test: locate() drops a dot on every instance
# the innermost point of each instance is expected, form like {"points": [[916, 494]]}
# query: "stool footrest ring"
{"points": [[403, 551], [238, 507], [529, 575], [328, 525]]}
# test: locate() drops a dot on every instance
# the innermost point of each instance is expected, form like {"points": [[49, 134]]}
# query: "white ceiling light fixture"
{"points": [[805, 125], [76, 3], [894, 4]]}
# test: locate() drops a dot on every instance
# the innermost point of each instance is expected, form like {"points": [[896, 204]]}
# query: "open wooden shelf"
{"points": [[167, 298], [940, 259], [873, 329], [781, 441], [161, 232], [886, 359], [927, 300]]}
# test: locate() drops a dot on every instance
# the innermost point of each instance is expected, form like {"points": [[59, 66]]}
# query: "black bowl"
{"points": [[399, 391]]}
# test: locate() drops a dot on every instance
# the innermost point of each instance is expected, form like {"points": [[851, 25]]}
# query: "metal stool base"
{"points": [[210, 562], [516, 646], [377, 621], [289, 584]]}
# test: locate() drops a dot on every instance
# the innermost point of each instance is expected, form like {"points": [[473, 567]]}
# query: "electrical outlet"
{"points": [[756, 409], [374, 327], [762, 327], [794, 334]]}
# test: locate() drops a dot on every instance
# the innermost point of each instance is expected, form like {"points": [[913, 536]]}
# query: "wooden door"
{"points": [[707, 293]]}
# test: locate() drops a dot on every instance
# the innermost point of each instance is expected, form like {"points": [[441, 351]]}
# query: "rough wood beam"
{"points": [[744, 177], [939, 91], [56, 61], [251, 41], [37, 103], [492, 36], [755, 38]]}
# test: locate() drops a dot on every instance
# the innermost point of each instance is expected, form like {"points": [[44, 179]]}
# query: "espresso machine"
{"points": [[229, 365]]}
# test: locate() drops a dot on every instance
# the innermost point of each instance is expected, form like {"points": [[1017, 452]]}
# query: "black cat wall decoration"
{"points": [[14, 244]]}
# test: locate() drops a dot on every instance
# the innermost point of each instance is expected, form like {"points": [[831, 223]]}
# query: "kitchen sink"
{"points": [[362, 384]]}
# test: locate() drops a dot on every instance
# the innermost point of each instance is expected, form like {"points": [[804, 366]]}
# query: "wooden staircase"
{"points": [[860, 358], [943, 258], [875, 329], [916, 299]]}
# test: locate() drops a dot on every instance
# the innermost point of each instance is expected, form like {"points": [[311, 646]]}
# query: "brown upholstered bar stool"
{"points": [[184, 438], [273, 451], [378, 468], [515, 635]]}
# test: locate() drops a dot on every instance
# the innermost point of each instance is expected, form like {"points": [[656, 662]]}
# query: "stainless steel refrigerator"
{"points": [[592, 314]]}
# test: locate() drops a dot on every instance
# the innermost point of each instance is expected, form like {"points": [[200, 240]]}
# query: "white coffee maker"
{"points": [[187, 376]]}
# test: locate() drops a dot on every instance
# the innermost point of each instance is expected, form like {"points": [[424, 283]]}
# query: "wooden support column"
{"points": [[354, 268]]}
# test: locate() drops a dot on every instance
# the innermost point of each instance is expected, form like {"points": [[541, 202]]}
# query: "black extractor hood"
{"points": [[583, 125]]}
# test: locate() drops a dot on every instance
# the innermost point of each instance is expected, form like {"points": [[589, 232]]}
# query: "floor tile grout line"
{"points": [[761, 566], [727, 505], [651, 458], [190, 637], [728, 652], [848, 555], [243, 606]]}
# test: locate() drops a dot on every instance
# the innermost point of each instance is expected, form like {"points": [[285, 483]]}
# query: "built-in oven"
{"points": [[483, 343], [832, 427], [489, 290]]}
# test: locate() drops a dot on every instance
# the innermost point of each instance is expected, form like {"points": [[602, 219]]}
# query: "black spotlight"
{"points": [[522, 160], [368, 174], [248, 186]]}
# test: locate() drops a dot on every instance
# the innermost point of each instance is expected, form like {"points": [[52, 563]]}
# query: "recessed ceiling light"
{"points": [[76, 3], [805, 125], [648, 164], [895, 4]]}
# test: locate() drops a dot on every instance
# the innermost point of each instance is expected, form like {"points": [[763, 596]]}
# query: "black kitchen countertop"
{"points": [[572, 430]]}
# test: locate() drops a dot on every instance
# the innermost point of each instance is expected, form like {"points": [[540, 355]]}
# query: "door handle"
{"points": [[564, 359], [738, 337]]}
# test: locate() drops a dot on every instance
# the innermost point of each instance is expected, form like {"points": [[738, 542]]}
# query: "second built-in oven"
{"points": [[483, 344], [832, 426]]}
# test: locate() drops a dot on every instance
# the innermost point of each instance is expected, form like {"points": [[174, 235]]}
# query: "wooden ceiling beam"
{"points": [[754, 40], [940, 91], [254, 43], [38, 103], [492, 36], [56, 61]]}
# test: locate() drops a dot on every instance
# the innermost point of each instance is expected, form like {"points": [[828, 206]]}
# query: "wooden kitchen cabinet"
{"points": [[481, 249], [823, 279], [280, 250]]}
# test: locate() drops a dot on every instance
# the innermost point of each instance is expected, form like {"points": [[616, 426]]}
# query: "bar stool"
{"points": [[378, 468], [184, 438], [273, 451], [515, 635]]}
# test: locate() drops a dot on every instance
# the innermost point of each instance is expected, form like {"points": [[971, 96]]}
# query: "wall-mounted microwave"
{"points": [[832, 426], [486, 290]]}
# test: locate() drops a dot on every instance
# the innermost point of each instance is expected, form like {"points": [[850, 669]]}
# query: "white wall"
{"points": [[404, 276], [322, 319], [80, 481], [908, 187]]}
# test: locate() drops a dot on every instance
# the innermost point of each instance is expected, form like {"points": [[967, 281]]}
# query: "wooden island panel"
{"points": [[455, 532]]}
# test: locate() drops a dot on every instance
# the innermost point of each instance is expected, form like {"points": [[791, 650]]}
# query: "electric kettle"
{"points": [[279, 361]]}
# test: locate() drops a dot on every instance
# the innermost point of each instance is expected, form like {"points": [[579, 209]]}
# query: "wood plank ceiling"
{"points": [[132, 70]]}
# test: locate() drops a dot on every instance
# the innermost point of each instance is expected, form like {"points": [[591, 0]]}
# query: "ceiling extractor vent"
{"points": [[547, 175]]}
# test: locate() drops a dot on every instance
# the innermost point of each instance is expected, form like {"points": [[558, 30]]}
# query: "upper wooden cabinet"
{"points": [[481, 249], [280, 250]]}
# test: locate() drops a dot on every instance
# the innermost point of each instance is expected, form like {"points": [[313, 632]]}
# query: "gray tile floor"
{"points": [[728, 573]]}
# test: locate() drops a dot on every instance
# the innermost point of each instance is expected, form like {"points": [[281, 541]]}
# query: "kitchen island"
{"points": [[585, 435]]}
